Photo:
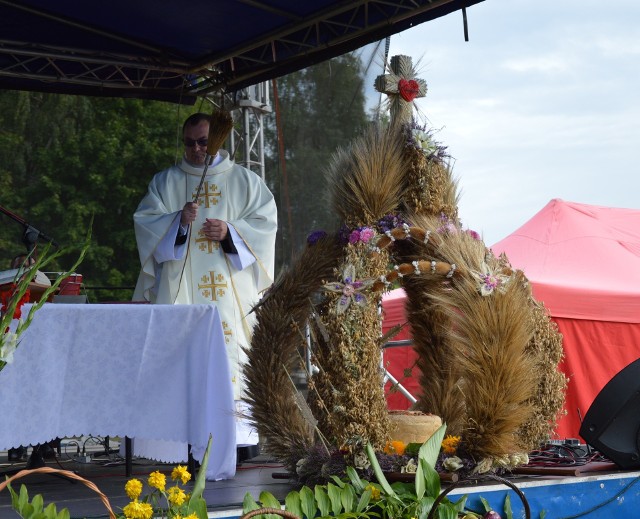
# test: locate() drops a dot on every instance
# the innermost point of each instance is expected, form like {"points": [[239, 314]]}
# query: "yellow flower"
{"points": [[450, 444], [395, 447], [176, 496], [133, 488], [375, 492], [137, 510], [157, 480], [192, 515], [181, 473]]}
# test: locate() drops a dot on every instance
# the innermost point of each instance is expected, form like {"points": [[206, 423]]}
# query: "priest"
{"points": [[208, 240]]}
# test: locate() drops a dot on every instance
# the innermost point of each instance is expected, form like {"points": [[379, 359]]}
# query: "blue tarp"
{"points": [[178, 50]]}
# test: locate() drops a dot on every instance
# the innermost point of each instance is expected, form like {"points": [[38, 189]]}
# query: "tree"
{"points": [[66, 158], [321, 108]]}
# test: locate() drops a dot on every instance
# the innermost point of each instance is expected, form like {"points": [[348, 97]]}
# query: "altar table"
{"points": [[148, 371]]}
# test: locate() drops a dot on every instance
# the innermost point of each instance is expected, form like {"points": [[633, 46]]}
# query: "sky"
{"points": [[542, 102]]}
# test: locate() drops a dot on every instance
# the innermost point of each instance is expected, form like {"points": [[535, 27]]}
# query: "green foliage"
{"points": [[65, 158], [35, 508], [356, 497], [321, 108], [21, 287]]}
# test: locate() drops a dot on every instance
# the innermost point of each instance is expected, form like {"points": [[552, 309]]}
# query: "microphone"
{"points": [[32, 235]]}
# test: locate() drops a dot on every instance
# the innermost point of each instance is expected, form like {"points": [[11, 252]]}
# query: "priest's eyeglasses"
{"points": [[190, 143]]}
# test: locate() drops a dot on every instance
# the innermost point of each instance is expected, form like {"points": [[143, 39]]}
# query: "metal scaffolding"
{"points": [[249, 106]]}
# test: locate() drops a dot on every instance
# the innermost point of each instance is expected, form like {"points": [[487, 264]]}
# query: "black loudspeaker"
{"points": [[612, 424]]}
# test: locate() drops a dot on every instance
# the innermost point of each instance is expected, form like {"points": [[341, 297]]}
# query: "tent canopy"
{"points": [[583, 261], [176, 51]]}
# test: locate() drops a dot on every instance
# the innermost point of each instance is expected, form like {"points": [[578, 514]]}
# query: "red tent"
{"points": [[399, 360], [583, 262]]}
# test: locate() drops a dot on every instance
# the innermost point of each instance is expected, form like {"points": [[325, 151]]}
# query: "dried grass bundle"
{"points": [[349, 383], [274, 352], [477, 372], [431, 189], [546, 349], [491, 333], [367, 178]]}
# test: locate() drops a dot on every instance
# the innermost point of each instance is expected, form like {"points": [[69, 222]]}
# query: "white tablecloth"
{"points": [[147, 371]]}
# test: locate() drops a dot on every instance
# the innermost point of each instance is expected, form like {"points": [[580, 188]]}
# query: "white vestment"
{"points": [[204, 273]]}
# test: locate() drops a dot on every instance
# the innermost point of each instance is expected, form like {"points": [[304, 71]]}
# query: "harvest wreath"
{"points": [[488, 353]]}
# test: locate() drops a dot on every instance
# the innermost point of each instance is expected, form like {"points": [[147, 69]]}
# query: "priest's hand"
{"points": [[189, 213], [214, 229]]}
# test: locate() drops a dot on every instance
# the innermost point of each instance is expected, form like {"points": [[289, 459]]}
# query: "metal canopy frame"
{"points": [[172, 51]]}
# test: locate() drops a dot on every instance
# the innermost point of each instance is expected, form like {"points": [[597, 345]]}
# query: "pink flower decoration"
{"points": [[366, 235], [473, 234], [354, 237]]}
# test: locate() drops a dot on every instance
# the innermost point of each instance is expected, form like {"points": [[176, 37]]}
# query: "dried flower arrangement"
{"points": [[488, 352]]}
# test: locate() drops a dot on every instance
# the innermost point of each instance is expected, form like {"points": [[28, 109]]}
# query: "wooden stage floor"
{"points": [[596, 492], [224, 498]]}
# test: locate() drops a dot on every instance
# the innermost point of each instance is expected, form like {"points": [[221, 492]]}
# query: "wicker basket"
{"points": [[276, 511], [66, 474], [525, 503]]}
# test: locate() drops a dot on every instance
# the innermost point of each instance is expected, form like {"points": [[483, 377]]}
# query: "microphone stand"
{"points": [[31, 235]]}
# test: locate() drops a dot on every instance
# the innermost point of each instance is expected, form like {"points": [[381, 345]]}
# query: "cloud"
{"points": [[541, 103]]}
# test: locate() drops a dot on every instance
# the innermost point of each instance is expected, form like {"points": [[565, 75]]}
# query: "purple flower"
{"points": [[354, 237], [315, 236], [389, 222]]}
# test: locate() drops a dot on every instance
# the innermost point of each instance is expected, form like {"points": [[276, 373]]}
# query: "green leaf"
{"points": [[338, 481], [425, 506], [14, 497], [334, 497], [348, 498], [431, 479], [38, 503], [64, 514], [201, 478], [447, 511], [355, 479], [507, 507], [308, 502], [461, 503], [23, 498], [199, 507], [50, 511], [249, 503], [26, 510], [378, 471], [268, 500], [431, 448], [485, 503], [428, 454], [322, 499], [412, 449], [364, 501], [292, 503]]}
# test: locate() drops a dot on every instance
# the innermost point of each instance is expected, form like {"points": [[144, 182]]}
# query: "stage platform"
{"points": [[601, 492]]}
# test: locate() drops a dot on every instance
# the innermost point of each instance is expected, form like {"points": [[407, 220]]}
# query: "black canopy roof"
{"points": [[177, 50]]}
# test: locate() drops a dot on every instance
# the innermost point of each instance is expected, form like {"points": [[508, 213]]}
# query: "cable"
{"points": [[604, 503]]}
